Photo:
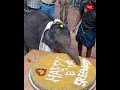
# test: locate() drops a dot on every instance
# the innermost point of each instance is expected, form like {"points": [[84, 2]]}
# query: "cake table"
{"points": [[33, 57]]}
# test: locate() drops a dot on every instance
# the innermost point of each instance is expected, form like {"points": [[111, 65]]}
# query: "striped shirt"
{"points": [[34, 4]]}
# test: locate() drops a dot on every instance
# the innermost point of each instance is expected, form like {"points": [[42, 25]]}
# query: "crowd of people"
{"points": [[86, 34]]}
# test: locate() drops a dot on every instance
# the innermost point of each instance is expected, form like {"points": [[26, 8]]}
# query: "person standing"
{"points": [[86, 34], [64, 5]]}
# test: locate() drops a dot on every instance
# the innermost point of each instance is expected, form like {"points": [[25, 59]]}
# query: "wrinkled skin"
{"points": [[25, 7], [56, 38]]}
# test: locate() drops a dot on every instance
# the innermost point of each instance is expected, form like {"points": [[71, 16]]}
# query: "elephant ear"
{"points": [[47, 38]]}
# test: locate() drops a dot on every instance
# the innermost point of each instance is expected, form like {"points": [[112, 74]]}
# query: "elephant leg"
{"points": [[26, 49]]}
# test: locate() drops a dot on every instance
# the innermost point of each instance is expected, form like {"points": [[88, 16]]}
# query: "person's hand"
{"points": [[58, 21]]}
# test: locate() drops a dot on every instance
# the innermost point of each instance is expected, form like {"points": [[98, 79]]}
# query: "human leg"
{"points": [[61, 11], [88, 53], [79, 40], [66, 12], [80, 49]]}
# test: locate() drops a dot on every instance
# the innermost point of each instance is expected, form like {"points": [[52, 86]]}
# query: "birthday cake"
{"points": [[59, 72]]}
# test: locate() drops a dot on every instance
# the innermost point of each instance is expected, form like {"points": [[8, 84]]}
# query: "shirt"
{"points": [[89, 17], [34, 4]]}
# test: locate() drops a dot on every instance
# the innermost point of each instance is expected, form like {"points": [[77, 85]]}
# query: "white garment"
{"points": [[42, 45]]}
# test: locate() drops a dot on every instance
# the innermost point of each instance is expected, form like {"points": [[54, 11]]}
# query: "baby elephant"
{"points": [[57, 38]]}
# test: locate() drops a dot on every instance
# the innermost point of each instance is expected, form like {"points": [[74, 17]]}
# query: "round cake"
{"points": [[59, 72]]}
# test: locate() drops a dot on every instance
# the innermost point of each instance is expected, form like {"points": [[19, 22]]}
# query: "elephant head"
{"points": [[58, 39]]}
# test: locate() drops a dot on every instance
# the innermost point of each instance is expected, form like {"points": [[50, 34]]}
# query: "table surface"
{"points": [[31, 58]]}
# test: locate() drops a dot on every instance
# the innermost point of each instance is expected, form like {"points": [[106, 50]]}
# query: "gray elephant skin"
{"points": [[57, 38]]}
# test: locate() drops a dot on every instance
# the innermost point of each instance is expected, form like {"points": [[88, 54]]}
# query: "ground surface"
{"points": [[71, 21]]}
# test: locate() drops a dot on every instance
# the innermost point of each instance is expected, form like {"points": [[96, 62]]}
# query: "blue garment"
{"points": [[49, 10], [87, 38]]}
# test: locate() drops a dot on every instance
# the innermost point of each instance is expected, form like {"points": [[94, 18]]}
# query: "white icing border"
{"points": [[92, 86], [31, 82], [35, 87]]}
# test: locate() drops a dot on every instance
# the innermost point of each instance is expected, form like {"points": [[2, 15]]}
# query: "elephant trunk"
{"points": [[73, 55]]}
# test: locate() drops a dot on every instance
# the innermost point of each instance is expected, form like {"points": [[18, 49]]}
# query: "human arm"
{"points": [[79, 17]]}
